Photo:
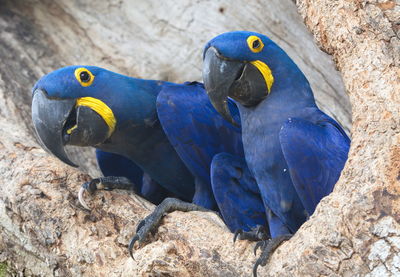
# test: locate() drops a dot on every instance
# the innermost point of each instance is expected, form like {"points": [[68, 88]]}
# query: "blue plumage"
{"points": [[164, 140], [198, 133], [194, 128], [313, 156], [237, 193], [138, 134], [294, 150]]}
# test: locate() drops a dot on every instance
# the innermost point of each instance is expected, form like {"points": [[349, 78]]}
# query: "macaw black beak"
{"points": [[219, 75], [49, 117], [242, 81], [59, 122]]}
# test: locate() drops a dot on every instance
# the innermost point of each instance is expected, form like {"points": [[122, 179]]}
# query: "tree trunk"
{"points": [[356, 229], [43, 229]]}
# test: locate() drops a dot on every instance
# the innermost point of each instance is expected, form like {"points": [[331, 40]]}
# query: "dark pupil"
{"points": [[256, 44], [85, 77]]}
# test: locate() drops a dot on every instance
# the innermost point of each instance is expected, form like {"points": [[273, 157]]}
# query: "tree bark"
{"points": [[356, 229], [44, 231]]}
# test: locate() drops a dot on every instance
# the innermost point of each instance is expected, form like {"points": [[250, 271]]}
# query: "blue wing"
{"points": [[316, 154], [112, 164], [195, 129], [236, 192]]}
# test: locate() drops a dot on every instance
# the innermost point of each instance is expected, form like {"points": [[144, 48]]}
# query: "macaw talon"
{"points": [[103, 183], [268, 249], [150, 223], [132, 244], [259, 233], [237, 234], [90, 187], [81, 198]]}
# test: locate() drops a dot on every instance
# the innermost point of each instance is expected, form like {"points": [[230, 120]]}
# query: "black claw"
{"points": [[132, 243], [84, 187], [151, 222], [268, 249], [255, 234], [255, 267], [238, 232]]}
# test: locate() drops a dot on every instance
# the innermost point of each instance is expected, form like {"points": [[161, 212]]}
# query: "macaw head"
{"points": [[86, 105], [246, 66]]}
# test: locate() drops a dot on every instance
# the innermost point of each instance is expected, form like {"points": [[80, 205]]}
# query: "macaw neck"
{"points": [[285, 100], [149, 148], [147, 86], [291, 85], [290, 96], [135, 100], [137, 142]]}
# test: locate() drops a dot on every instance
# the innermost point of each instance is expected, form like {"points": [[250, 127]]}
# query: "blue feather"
{"points": [[315, 153], [197, 132], [294, 150], [237, 193]]}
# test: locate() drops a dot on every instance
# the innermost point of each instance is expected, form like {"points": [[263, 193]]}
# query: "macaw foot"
{"points": [[151, 222], [259, 233], [103, 183], [268, 247]]}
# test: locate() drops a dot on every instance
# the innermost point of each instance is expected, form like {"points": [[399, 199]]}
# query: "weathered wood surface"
{"points": [[43, 229], [356, 230]]}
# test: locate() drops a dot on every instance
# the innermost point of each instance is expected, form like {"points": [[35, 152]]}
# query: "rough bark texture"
{"points": [[356, 230], [43, 231]]}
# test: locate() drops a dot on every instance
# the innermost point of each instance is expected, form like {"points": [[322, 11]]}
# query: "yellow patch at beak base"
{"points": [[102, 109], [266, 73]]}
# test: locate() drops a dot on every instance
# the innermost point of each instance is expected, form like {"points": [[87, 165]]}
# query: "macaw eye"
{"points": [[255, 44], [84, 76]]}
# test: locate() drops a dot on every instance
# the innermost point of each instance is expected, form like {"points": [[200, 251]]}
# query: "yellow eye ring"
{"points": [[84, 76], [255, 44]]}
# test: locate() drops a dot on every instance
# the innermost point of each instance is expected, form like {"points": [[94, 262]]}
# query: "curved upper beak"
{"points": [[49, 117], [59, 122], [245, 82], [219, 75]]}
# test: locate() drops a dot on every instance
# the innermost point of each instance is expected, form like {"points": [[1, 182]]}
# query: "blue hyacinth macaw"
{"points": [[157, 137], [78, 106], [202, 138], [294, 150]]}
